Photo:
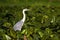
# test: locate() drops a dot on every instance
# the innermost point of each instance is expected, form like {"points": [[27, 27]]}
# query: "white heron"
{"points": [[20, 23]]}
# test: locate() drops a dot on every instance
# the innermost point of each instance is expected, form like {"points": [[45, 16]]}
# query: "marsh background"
{"points": [[42, 22]]}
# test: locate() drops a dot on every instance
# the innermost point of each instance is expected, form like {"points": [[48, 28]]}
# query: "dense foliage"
{"points": [[42, 21]]}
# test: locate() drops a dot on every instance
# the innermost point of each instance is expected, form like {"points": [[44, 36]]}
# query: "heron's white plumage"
{"points": [[19, 24]]}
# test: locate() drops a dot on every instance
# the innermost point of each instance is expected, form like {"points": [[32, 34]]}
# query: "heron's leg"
{"points": [[17, 35]]}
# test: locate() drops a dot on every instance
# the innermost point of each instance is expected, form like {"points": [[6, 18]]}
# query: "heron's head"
{"points": [[26, 9]]}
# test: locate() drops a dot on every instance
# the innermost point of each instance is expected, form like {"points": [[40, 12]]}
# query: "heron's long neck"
{"points": [[24, 16]]}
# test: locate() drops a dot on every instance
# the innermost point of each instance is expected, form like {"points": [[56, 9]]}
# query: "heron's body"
{"points": [[20, 23]]}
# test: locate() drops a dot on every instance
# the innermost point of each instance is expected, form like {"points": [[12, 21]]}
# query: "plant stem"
{"points": [[25, 38]]}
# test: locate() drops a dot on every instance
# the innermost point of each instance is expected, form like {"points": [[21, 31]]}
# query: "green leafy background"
{"points": [[42, 21]]}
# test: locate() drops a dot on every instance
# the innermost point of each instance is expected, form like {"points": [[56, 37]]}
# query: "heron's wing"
{"points": [[18, 25]]}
